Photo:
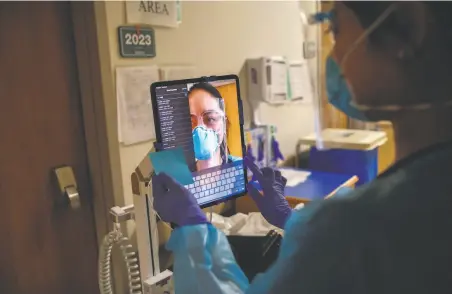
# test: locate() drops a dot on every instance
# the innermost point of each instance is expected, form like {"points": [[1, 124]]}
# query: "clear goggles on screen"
{"points": [[210, 119]]}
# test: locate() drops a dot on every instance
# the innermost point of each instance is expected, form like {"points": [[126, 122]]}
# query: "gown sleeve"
{"points": [[315, 256]]}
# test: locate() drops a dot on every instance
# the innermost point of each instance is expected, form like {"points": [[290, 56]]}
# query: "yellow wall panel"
{"points": [[386, 152], [229, 94]]}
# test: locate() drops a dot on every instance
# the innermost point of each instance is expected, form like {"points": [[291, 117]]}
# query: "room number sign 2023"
{"points": [[136, 42], [135, 39]]}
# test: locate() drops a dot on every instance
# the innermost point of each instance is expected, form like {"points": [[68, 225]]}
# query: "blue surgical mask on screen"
{"points": [[338, 91], [205, 142]]}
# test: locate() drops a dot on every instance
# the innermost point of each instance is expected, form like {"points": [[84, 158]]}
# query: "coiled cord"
{"points": [[130, 259], [133, 269], [104, 274]]}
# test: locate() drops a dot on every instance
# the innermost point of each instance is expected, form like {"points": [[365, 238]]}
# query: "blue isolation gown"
{"points": [[393, 235]]}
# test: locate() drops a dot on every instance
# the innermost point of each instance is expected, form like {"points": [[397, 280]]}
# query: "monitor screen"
{"points": [[203, 119]]}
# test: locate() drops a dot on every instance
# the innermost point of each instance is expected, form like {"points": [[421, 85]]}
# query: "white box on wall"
{"points": [[275, 80], [267, 79]]}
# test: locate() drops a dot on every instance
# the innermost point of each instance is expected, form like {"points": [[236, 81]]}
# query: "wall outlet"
{"points": [[309, 49], [161, 283]]}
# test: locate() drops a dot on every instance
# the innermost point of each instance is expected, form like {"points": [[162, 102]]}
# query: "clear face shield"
{"points": [[333, 105]]}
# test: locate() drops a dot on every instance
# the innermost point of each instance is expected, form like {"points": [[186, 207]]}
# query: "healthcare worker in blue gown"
{"points": [[391, 61]]}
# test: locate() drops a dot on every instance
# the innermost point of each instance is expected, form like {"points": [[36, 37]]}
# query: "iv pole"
{"points": [[145, 218], [144, 277], [147, 230]]}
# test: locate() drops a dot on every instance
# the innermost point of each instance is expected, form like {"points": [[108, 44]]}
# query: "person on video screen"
{"points": [[209, 124]]}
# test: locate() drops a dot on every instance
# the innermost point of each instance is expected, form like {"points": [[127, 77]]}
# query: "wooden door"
{"points": [[44, 247]]}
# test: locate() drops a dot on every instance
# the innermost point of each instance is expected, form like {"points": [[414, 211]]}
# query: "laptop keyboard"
{"points": [[218, 184]]}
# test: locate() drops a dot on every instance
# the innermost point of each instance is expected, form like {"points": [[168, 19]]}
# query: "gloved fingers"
{"points": [[269, 174], [159, 191], [278, 176], [174, 188], [253, 178], [168, 182], [162, 184], [283, 180], [158, 185], [255, 195], [257, 174]]}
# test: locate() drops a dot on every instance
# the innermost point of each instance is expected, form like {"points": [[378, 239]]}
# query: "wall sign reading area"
{"points": [[155, 13], [136, 42]]}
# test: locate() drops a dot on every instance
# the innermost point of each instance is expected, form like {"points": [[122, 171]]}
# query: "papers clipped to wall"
{"points": [[174, 72], [133, 95], [299, 81]]}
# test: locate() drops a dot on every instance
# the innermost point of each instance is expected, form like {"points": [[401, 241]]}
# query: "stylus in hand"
{"points": [[174, 203], [272, 203]]}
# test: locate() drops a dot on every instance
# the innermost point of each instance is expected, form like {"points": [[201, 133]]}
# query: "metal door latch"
{"points": [[68, 185]]}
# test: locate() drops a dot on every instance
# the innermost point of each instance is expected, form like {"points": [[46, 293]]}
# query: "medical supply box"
{"points": [[345, 151]]}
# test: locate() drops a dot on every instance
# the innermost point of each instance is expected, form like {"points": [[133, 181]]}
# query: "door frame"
{"points": [[102, 156]]}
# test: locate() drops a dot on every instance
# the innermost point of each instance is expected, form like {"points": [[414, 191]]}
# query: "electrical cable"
{"points": [[129, 257]]}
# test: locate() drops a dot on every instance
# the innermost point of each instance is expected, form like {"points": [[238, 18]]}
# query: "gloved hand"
{"points": [[174, 203], [272, 204]]}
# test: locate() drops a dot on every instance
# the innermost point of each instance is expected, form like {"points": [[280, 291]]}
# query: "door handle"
{"points": [[68, 186]]}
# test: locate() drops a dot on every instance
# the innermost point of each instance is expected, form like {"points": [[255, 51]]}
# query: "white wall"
{"points": [[217, 37]]}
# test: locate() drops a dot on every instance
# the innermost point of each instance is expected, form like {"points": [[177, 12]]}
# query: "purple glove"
{"points": [[272, 204], [174, 203], [249, 152], [276, 152], [260, 149]]}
